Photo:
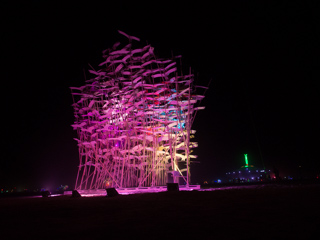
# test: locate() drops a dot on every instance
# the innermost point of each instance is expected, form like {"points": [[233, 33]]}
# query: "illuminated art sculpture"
{"points": [[133, 120]]}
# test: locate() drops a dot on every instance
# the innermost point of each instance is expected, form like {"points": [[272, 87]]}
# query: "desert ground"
{"points": [[260, 212]]}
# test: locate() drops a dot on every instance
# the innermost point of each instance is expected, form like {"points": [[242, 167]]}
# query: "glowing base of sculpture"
{"points": [[127, 191]]}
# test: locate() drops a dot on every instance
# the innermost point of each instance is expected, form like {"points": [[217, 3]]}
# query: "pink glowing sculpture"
{"points": [[133, 120]]}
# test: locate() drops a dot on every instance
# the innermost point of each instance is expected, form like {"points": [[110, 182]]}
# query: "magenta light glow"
{"points": [[127, 191]]}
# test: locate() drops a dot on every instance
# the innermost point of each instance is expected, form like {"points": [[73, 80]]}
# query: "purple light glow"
{"points": [[128, 191]]}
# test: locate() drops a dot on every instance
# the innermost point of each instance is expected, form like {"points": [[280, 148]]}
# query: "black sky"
{"points": [[262, 57]]}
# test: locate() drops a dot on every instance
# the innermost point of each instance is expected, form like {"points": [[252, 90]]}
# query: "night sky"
{"points": [[262, 57]]}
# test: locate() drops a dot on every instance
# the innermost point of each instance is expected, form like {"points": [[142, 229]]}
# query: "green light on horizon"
{"points": [[246, 159]]}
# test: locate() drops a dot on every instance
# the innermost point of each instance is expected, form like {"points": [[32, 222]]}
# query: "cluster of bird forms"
{"points": [[133, 120]]}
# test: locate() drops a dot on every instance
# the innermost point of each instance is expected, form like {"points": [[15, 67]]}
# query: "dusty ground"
{"points": [[263, 212]]}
